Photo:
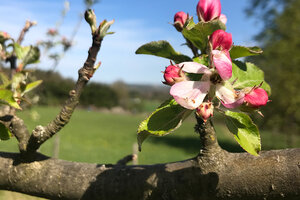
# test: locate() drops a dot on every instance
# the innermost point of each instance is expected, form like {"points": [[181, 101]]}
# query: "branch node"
{"points": [[72, 93], [38, 132]]}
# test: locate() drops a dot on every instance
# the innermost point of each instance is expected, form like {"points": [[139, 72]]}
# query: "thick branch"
{"points": [[272, 175], [40, 134]]}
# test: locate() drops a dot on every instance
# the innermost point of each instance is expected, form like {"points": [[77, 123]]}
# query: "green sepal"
{"points": [[165, 119], [248, 75], [5, 133], [163, 49], [198, 34], [241, 51], [244, 130]]}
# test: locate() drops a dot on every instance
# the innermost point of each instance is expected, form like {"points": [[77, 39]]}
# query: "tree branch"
{"points": [[20, 131], [272, 175], [40, 134]]}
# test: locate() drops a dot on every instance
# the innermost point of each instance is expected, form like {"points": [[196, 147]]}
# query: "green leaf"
{"points": [[198, 34], [248, 75], [6, 97], [5, 133], [4, 78], [245, 131], [31, 86], [165, 119], [241, 51], [28, 54], [163, 49]]}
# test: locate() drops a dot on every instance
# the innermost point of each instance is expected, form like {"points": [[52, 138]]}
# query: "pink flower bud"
{"points": [[52, 32], [179, 20], [208, 10], [256, 97], [221, 40], [205, 110], [172, 74]]}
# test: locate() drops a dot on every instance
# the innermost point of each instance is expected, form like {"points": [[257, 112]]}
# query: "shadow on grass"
{"points": [[192, 144]]}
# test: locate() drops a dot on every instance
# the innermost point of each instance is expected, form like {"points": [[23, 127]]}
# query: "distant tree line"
{"points": [[280, 61], [54, 90]]}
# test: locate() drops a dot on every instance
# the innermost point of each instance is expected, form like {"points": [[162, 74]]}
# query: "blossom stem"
{"points": [[207, 133]]}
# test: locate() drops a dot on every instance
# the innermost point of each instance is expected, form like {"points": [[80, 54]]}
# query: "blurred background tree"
{"points": [[280, 61]]}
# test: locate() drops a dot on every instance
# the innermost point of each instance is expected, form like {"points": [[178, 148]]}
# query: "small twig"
{"points": [[27, 26], [207, 134], [42, 133], [127, 159]]}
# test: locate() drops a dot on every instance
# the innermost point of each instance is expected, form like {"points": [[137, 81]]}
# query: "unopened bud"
{"points": [[90, 17], [205, 110], [255, 97], [208, 10], [173, 74], [221, 40], [179, 20]]}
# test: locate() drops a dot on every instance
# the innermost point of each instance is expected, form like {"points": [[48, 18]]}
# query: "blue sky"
{"points": [[136, 23]]}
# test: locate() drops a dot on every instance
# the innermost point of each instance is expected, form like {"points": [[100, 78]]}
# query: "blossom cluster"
{"points": [[214, 82]]}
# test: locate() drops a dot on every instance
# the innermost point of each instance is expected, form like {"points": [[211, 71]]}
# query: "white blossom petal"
{"points": [[193, 67], [190, 94]]}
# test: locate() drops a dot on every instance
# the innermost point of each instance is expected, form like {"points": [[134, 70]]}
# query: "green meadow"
{"points": [[96, 137]]}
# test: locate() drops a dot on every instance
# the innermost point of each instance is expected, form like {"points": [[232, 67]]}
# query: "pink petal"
{"points": [[208, 9], [257, 97], [223, 18], [221, 40], [190, 94], [229, 97], [193, 67], [223, 64]]}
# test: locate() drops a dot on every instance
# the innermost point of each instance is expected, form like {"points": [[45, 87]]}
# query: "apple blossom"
{"points": [[190, 94]]}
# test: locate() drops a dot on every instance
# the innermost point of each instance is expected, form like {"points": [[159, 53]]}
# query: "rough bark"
{"points": [[272, 175]]}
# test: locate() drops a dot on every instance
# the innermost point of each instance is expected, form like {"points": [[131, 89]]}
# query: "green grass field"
{"points": [[96, 137], [105, 138]]}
